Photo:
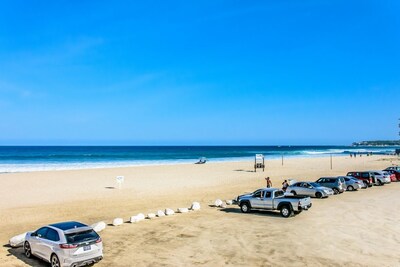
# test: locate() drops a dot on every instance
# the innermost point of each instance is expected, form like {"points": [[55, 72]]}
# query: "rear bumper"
{"points": [[305, 207], [82, 261], [86, 262]]}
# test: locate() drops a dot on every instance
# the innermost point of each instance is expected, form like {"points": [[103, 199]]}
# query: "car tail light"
{"points": [[68, 246], [99, 240]]}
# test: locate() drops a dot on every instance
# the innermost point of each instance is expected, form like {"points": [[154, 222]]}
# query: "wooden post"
{"points": [[263, 164], [282, 159], [331, 161]]}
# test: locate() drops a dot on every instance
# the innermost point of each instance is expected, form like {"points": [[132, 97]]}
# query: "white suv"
{"points": [[381, 177], [66, 244]]}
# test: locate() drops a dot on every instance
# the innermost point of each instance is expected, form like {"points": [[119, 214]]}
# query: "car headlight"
{"points": [[326, 191]]}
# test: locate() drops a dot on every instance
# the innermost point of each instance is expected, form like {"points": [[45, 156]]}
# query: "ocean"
{"points": [[41, 158]]}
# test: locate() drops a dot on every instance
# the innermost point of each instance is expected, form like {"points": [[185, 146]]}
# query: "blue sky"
{"points": [[198, 72]]}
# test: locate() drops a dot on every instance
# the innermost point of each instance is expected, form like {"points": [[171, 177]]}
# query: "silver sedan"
{"points": [[352, 183], [309, 189]]}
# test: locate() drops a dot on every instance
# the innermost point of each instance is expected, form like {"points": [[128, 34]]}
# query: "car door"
{"points": [[308, 189], [256, 201], [49, 242], [322, 181], [304, 189], [267, 200], [36, 241], [298, 188]]}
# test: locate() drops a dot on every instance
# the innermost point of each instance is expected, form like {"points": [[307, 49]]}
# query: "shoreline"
{"points": [[211, 236], [173, 162]]}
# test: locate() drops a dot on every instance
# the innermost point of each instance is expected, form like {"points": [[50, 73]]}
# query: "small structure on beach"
{"points": [[259, 162]]}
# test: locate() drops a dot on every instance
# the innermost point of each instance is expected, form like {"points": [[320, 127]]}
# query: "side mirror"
{"points": [[34, 234]]}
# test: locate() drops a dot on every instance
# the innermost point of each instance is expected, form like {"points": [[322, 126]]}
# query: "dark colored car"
{"points": [[368, 178], [394, 173]]}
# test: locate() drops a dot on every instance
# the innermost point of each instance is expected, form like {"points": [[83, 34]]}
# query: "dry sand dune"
{"points": [[355, 228]]}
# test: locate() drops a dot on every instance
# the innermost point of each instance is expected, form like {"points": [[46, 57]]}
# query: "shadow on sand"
{"points": [[109, 187], [19, 254], [253, 212], [240, 170]]}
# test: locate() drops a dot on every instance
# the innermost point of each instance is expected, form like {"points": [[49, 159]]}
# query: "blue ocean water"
{"points": [[38, 158]]}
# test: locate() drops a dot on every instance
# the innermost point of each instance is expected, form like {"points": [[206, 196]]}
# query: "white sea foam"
{"points": [[51, 166]]}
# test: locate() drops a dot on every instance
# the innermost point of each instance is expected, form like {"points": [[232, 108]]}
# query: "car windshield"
{"points": [[315, 184], [81, 236]]}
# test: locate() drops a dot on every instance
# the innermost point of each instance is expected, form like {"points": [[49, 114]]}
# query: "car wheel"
{"points": [[245, 207], [318, 195], [335, 191], [27, 249], [350, 188], [54, 261], [380, 182], [286, 211], [293, 192]]}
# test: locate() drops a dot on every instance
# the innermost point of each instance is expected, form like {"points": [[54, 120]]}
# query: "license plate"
{"points": [[86, 248]]}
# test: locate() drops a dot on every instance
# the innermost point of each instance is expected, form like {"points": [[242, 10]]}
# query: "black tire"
{"points": [[27, 249], [335, 191], [293, 192], [286, 211], [245, 207], [54, 261], [297, 212], [350, 188], [318, 195], [380, 182]]}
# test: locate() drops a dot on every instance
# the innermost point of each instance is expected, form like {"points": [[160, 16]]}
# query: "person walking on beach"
{"points": [[285, 185], [269, 183]]}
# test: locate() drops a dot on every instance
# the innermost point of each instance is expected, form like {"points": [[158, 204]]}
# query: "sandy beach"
{"points": [[352, 229]]}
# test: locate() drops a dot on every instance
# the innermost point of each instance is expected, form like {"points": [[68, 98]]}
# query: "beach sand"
{"points": [[354, 229]]}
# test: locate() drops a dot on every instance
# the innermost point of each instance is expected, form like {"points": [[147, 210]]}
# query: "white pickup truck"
{"points": [[273, 199]]}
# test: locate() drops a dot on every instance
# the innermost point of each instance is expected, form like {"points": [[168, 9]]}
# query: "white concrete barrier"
{"points": [[134, 219], [195, 206], [229, 202], [218, 203], [140, 216], [151, 216], [169, 212], [160, 213], [17, 241], [118, 221], [183, 210], [99, 226]]}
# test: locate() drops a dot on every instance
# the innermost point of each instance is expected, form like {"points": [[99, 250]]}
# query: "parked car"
{"points": [[353, 184], [381, 177], [337, 184], [395, 175], [65, 244], [396, 168], [273, 199], [367, 177], [309, 189]]}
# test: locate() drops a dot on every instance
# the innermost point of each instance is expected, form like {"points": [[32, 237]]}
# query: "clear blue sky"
{"points": [[198, 72]]}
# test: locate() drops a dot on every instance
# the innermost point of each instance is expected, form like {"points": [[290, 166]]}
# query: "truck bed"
{"points": [[295, 197]]}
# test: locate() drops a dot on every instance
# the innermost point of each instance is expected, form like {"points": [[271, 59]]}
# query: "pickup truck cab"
{"points": [[273, 199]]}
